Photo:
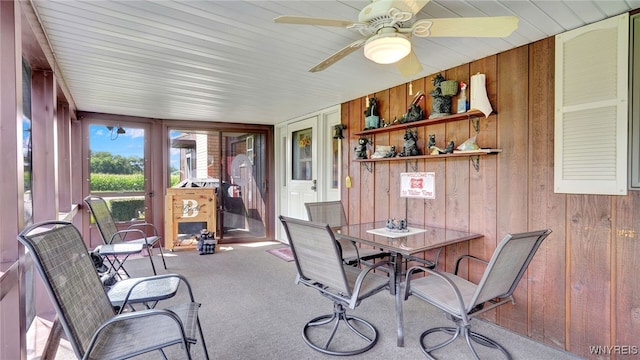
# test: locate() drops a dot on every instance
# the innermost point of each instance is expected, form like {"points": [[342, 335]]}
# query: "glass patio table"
{"points": [[110, 252], [402, 245]]}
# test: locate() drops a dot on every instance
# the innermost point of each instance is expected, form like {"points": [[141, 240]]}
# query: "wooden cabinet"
{"points": [[188, 205]]}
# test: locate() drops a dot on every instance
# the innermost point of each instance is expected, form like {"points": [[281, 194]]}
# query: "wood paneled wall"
{"points": [[580, 290]]}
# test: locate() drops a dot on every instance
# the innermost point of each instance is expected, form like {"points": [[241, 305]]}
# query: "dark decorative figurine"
{"points": [[371, 115], [361, 149], [434, 150], [337, 131], [391, 153], [397, 225], [410, 147], [441, 102], [449, 148], [432, 141], [414, 112]]}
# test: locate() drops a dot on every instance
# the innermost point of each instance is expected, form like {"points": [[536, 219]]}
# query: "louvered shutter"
{"points": [[591, 108]]}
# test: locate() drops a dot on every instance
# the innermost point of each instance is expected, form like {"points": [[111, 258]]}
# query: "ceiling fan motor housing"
{"points": [[380, 8]]}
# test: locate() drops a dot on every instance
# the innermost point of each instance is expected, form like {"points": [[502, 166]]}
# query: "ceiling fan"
{"points": [[387, 26]]}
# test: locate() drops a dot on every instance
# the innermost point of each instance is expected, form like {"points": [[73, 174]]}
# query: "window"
{"points": [[302, 155], [117, 169]]}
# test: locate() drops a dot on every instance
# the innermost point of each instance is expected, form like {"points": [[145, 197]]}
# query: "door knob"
{"points": [[314, 187]]}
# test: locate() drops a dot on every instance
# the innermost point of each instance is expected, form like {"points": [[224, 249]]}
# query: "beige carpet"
{"points": [[252, 309]]}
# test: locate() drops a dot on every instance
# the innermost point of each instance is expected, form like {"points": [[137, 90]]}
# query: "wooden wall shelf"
{"points": [[474, 156], [444, 119], [432, 157]]}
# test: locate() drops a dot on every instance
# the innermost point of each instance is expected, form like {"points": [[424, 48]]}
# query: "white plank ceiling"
{"points": [[228, 61]]}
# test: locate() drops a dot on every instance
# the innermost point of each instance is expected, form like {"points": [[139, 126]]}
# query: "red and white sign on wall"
{"points": [[418, 185]]}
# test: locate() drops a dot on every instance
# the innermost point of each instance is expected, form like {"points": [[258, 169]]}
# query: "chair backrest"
{"points": [[66, 268], [316, 253], [507, 266], [104, 220], [327, 212]]}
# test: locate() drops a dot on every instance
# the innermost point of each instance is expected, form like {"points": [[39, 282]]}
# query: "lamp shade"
{"points": [[387, 48]]}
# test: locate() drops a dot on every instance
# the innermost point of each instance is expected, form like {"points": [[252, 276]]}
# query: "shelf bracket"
{"points": [[413, 165], [475, 161], [476, 124], [368, 166]]}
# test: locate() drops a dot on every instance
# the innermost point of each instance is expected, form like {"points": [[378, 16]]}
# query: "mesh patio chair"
{"points": [[320, 267], [84, 310], [332, 213], [463, 300], [112, 237]]}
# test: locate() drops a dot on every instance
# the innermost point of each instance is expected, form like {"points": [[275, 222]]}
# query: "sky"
{"points": [[129, 144]]}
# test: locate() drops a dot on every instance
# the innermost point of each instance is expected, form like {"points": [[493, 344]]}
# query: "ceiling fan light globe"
{"points": [[387, 48]]}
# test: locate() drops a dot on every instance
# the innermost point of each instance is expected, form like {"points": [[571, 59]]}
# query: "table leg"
{"points": [[398, 295], [117, 265]]}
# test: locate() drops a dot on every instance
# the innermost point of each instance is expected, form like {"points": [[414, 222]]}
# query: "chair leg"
{"points": [[455, 332], [164, 356], [117, 265], [204, 346], [485, 341], [162, 255], [339, 315], [150, 253]]}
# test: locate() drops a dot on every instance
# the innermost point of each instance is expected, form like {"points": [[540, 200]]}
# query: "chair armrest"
{"points": [[470, 257], [363, 274], [143, 235], [416, 268], [425, 262], [347, 242], [367, 269], [441, 277], [143, 225]]}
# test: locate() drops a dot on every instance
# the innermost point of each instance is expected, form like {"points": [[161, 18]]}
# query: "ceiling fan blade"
{"points": [[409, 65], [339, 55], [409, 5], [496, 26], [307, 20]]}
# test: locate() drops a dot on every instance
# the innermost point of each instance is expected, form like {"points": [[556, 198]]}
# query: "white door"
{"points": [[302, 175]]}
